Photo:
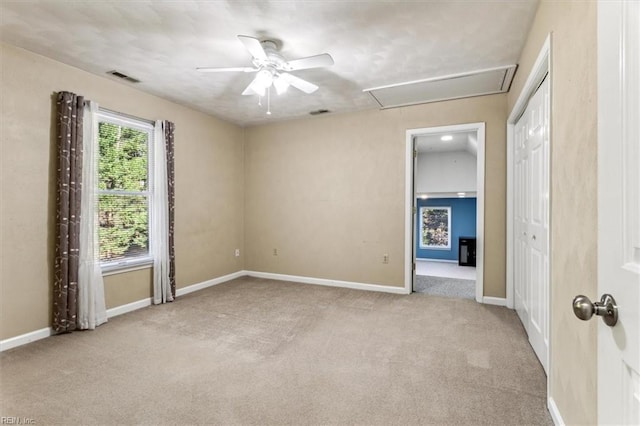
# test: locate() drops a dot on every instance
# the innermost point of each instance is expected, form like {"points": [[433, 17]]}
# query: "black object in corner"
{"points": [[467, 251]]}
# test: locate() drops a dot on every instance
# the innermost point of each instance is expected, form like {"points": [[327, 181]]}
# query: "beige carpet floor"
{"points": [[262, 352]]}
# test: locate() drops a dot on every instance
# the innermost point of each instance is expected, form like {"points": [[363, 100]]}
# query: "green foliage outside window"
{"points": [[123, 217]]}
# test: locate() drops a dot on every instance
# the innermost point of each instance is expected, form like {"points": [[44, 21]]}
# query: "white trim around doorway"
{"points": [[410, 201]]}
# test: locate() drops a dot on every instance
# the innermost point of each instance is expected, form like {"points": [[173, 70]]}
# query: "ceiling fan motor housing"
{"points": [[274, 58]]}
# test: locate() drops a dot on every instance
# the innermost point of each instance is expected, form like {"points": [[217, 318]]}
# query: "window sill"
{"points": [[130, 267]]}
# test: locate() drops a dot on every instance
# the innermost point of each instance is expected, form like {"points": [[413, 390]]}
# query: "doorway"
{"points": [[444, 224]]}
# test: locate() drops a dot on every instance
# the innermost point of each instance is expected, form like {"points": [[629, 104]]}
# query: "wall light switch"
{"points": [[237, 252]]}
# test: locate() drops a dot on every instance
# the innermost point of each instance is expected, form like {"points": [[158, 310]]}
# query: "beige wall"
{"points": [[328, 192], [573, 196], [209, 156]]}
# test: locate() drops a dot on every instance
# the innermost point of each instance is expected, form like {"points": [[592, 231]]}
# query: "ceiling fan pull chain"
{"points": [[269, 100]]}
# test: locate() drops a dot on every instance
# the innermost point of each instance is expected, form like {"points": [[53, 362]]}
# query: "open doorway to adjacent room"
{"points": [[445, 219]]}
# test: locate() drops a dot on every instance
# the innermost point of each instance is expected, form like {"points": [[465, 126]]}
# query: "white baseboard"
{"points": [[555, 413], [499, 301], [327, 282], [209, 283], [23, 339], [129, 307], [426, 259], [119, 310]]}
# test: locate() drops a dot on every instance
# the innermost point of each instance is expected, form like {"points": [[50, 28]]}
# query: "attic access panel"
{"points": [[476, 83]]}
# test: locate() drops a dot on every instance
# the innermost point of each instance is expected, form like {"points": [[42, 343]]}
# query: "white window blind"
{"points": [[125, 188]]}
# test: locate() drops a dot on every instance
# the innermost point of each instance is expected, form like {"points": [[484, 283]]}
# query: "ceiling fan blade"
{"points": [[230, 69], [254, 88], [254, 47], [298, 83], [317, 61]]}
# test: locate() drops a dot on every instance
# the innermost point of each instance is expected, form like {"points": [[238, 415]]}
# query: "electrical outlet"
{"points": [[385, 258], [275, 251], [237, 252]]}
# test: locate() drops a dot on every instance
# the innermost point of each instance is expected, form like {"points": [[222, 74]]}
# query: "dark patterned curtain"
{"points": [[68, 198], [169, 128]]}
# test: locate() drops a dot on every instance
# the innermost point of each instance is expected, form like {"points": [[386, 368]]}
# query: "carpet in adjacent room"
{"points": [[446, 287]]}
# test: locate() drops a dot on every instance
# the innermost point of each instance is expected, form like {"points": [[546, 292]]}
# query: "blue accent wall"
{"points": [[463, 224]]}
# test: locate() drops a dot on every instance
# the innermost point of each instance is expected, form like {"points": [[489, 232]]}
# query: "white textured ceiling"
{"points": [[460, 141], [373, 43]]}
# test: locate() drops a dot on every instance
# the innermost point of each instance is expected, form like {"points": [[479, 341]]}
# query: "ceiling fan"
{"points": [[273, 69]]}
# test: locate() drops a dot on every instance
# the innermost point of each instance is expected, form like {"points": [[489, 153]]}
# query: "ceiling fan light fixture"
{"points": [[281, 85], [264, 79], [255, 87], [259, 90]]}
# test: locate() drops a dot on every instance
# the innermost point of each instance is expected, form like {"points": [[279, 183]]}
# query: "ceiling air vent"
{"points": [[123, 76], [466, 85], [319, 111]]}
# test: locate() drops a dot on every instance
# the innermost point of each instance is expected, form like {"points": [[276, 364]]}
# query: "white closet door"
{"points": [[532, 221]]}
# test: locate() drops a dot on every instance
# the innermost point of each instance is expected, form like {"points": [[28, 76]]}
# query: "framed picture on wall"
{"points": [[435, 226]]}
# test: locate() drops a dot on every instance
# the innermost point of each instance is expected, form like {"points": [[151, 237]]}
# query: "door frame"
{"points": [[541, 68], [410, 202]]}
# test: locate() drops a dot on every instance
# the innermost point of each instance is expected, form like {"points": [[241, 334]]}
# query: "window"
{"points": [[435, 225], [124, 191]]}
